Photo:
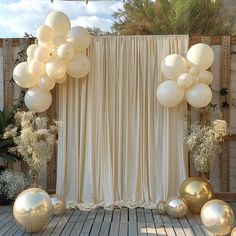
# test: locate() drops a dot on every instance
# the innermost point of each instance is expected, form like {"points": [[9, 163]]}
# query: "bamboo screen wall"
{"points": [[223, 173]]}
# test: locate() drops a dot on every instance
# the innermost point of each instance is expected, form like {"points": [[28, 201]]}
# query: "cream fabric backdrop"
{"points": [[117, 144]]}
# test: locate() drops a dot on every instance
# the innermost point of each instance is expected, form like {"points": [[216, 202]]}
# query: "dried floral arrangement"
{"points": [[12, 183], [35, 142], [205, 137]]}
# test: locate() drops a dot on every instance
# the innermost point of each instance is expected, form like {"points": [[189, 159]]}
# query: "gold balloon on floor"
{"points": [[33, 209], [161, 207], [218, 217], [196, 191], [176, 207], [233, 233], [59, 204]]}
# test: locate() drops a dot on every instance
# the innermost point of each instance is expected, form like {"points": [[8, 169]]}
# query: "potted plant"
{"points": [[35, 143]]}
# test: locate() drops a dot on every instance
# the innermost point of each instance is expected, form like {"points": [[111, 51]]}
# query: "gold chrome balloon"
{"points": [[161, 207], [218, 217], [59, 204], [33, 209], [196, 191], [176, 207], [233, 233]]}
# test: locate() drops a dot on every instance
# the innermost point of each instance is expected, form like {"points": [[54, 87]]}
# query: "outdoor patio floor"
{"points": [[123, 222]]}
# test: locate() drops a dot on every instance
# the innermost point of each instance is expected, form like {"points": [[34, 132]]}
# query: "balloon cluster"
{"points": [[61, 50], [187, 79]]}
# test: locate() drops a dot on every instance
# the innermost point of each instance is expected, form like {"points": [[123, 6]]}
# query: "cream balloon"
{"points": [[205, 77], [32, 210], [51, 47], [169, 94], [174, 65], [23, 77], [218, 217], [36, 67], [44, 33], [80, 38], [62, 80], [38, 100], [185, 80], [66, 51], [42, 54], [46, 83], [59, 39], [79, 66], [193, 71], [55, 68], [199, 95], [201, 56], [58, 22], [31, 49], [195, 79]]}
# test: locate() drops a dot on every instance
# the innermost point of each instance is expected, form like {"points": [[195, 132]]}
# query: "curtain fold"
{"points": [[117, 144]]}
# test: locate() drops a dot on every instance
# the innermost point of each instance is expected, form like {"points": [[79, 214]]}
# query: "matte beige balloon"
{"points": [[79, 37], [217, 216], [169, 93], [185, 80], [59, 204], [59, 39], [201, 56], [23, 77], [31, 49], [56, 68], [37, 100], [194, 71], [205, 77], [199, 95], [42, 54], [66, 51], [32, 210], [161, 207], [46, 83], [196, 191], [176, 207], [44, 33], [79, 66], [58, 22], [61, 80], [173, 66], [36, 67]]}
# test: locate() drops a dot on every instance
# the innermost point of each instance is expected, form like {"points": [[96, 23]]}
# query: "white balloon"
{"points": [[62, 80], [38, 100], [66, 51], [80, 38], [29, 59], [201, 56], [51, 47], [169, 94], [185, 80], [31, 49], [42, 54], [23, 77], [199, 95], [79, 66], [36, 67], [174, 65], [46, 83], [193, 71], [58, 22], [44, 33], [206, 77], [55, 68], [59, 39], [195, 79]]}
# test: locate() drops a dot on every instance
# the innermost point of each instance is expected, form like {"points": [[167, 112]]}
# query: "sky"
{"points": [[19, 16]]}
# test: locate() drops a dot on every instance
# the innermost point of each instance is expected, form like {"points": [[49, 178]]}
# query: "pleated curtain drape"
{"points": [[117, 144]]}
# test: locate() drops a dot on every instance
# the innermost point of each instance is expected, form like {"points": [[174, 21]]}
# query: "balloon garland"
{"points": [[61, 50], [187, 79]]}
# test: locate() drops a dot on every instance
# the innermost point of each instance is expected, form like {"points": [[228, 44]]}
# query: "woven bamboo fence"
{"points": [[223, 175]]}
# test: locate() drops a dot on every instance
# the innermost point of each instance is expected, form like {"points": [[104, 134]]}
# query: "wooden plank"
{"points": [[225, 83], [142, 230], [68, 228], [88, 223], [123, 229], [12, 230], [7, 227], [100, 215], [124, 215], [116, 215], [108, 216], [186, 227], [148, 216], [105, 227], [140, 215], [51, 226], [96, 228], [151, 229], [132, 215], [156, 216], [133, 229], [80, 223], [160, 229], [114, 230]]}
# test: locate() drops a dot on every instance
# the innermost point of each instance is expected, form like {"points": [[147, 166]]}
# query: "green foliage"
{"points": [[174, 17], [7, 119]]}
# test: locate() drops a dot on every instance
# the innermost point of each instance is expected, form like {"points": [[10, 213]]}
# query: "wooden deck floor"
{"points": [[122, 222]]}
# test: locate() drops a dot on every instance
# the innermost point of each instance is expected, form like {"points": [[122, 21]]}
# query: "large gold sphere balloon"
{"points": [[33, 209], [59, 204], [161, 207], [196, 191], [176, 207], [218, 217]]}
